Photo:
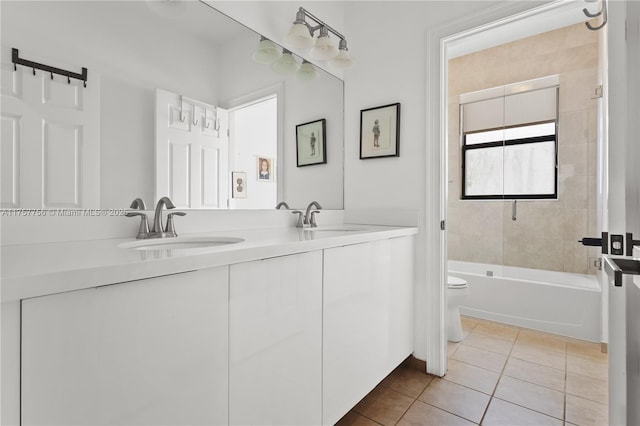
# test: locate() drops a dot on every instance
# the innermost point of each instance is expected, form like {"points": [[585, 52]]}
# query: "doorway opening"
{"points": [[253, 148], [468, 38]]}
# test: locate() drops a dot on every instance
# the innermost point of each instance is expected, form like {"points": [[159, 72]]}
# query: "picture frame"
{"points": [[380, 132], [265, 169], [311, 143], [238, 184]]}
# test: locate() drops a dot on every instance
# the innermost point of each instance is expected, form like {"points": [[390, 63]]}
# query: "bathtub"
{"points": [[556, 302]]}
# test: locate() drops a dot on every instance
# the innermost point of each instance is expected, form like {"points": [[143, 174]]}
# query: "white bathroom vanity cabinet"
{"points": [[296, 334]]}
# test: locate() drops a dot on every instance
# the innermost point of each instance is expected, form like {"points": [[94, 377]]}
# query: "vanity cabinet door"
{"points": [[275, 341], [145, 352], [367, 319]]}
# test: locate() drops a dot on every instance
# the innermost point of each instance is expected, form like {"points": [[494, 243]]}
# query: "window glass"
{"points": [[529, 169], [484, 171]]}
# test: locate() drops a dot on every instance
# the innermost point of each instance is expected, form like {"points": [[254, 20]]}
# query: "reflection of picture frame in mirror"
{"points": [[380, 132], [311, 143], [264, 170], [238, 185]]}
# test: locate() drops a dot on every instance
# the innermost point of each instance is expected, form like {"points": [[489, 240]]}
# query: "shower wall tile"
{"points": [[578, 35], [545, 233], [575, 224]]}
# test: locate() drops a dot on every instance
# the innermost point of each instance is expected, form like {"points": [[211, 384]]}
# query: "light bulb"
{"points": [[267, 52], [344, 59], [299, 36], [287, 64], [325, 48], [307, 71]]}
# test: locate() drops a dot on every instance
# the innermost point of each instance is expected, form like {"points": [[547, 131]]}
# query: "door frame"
{"points": [[435, 270]]}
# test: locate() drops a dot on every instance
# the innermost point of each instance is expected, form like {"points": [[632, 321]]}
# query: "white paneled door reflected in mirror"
{"points": [[69, 146]]}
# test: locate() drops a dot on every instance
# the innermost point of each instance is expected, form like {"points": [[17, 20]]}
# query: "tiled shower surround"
{"points": [[546, 232]]}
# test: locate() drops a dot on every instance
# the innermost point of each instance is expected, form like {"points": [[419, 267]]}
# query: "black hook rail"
{"points": [[17, 60]]}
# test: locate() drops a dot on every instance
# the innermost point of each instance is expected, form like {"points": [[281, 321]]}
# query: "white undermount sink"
{"points": [[180, 243]]}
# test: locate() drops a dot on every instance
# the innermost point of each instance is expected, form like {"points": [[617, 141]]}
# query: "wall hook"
{"points": [[195, 123], [52, 76], [182, 117], [34, 71], [602, 12], [207, 125]]}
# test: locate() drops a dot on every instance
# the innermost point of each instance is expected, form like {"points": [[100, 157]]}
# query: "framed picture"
{"points": [[311, 143], [380, 132], [264, 169], [238, 185]]}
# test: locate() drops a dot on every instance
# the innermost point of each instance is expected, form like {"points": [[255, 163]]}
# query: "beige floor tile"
{"points": [[543, 340], [468, 322], [471, 376], [591, 367], [456, 399], [497, 330], [354, 419], [480, 358], [588, 388], [538, 355], [585, 350], [384, 405], [451, 348], [421, 414], [535, 373], [407, 381], [489, 343], [534, 397], [586, 413], [504, 413]]}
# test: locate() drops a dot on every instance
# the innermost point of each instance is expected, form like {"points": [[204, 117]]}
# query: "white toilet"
{"points": [[457, 290]]}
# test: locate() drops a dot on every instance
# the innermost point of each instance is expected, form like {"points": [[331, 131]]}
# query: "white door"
{"points": [[191, 152], [50, 138]]}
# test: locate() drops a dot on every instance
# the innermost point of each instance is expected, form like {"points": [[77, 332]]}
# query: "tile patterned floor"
{"points": [[498, 375]]}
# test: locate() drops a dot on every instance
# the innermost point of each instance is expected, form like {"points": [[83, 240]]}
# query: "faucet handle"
{"points": [[170, 228], [143, 230], [312, 220], [138, 203], [299, 224]]}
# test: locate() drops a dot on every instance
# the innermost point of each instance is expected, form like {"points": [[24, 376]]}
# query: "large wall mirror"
{"points": [[157, 71]]}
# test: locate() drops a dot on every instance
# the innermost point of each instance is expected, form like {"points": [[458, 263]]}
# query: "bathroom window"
{"points": [[509, 141]]}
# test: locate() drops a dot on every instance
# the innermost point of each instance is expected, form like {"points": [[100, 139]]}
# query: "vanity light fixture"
{"points": [[322, 48], [267, 52], [287, 64]]}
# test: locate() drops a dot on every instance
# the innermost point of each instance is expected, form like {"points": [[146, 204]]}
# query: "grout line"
{"points": [[486, 409]]}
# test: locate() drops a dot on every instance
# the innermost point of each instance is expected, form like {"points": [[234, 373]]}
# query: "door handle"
{"points": [[602, 242]]}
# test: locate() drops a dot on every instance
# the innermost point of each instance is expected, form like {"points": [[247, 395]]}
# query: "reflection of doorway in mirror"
{"points": [[253, 146]]}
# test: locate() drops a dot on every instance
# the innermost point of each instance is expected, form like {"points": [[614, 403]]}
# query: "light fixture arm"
{"points": [[300, 19]]}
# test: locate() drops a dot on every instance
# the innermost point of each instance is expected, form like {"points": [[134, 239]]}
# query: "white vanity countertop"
{"points": [[31, 270]]}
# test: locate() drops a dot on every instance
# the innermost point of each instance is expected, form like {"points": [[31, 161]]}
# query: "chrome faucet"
{"points": [[143, 230], [309, 215], [156, 231], [282, 204]]}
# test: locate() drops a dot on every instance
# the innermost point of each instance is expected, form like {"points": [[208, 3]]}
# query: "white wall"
{"points": [[132, 59]]}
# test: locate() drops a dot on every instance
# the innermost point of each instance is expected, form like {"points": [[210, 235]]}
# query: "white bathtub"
{"points": [[556, 302]]}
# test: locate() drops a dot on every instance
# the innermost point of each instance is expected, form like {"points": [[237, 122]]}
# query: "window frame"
{"points": [[510, 142]]}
